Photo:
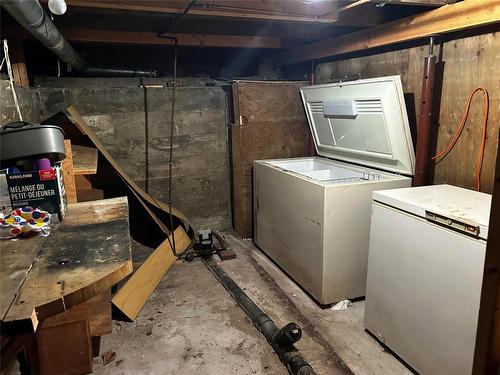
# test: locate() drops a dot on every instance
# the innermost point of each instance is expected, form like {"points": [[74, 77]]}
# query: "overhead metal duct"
{"points": [[30, 14]]}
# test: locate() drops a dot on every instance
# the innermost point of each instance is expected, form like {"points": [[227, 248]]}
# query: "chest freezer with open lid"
{"points": [[312, 214]]}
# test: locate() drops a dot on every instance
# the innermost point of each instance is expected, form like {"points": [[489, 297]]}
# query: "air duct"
{"points": [[30, 14]]}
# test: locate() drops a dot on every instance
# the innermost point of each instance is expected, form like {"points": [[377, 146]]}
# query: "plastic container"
{"points": [[23, 141]]}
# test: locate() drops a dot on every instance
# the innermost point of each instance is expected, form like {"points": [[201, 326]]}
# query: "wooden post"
{"points": [[18, 63]]}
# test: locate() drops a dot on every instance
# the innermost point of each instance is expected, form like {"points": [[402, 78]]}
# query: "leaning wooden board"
{"points": [[130, 299], [83, 256]]}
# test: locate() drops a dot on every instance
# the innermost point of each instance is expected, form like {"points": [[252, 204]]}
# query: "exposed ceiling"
{"points": [[258, 25], [293, 22]]}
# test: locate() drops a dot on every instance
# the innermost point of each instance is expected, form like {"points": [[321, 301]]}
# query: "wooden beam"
{"points": [[446, 19], [215, 9], [134, 37]]}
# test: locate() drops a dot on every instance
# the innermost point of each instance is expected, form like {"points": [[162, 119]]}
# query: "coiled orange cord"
{"points": [[460, 128]]}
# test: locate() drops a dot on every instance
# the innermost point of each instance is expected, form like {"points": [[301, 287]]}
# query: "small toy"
{"points": [[24, 220]]}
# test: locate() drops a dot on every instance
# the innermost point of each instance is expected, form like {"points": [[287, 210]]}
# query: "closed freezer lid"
{"points": [[438, 202], [363, 122]]}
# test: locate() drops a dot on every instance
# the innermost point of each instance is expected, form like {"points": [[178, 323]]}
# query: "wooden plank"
{"points": [[133, 295], [446, 19], [274, 126], [65, 348], [18, 62], [100, 319], [478, 55], [16, 260], [96, 310], [69, 173], [278, 10], [84, 256], [85, 159], [151, 204], [149, 38], [487, 353]]}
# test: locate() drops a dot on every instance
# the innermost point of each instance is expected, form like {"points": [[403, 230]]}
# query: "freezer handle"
{"points": [[470, 229]]}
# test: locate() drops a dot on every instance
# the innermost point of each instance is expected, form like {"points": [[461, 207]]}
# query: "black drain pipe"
{"points": [[281, 340]]}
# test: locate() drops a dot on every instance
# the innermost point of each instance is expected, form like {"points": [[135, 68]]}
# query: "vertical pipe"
{"points": [[311, 149], [425, 118]]}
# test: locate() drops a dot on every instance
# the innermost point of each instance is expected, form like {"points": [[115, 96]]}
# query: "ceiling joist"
{"points": [[148, 38], [449, 18], [277, 10]]}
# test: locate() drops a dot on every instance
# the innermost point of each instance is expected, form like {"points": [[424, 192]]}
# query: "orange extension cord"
{"points": [[460, 128]]}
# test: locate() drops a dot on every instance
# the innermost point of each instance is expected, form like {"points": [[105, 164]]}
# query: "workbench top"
{"points": [[84, 255]]}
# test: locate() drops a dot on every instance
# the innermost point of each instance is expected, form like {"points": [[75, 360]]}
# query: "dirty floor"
{"points": [[190, 325]]}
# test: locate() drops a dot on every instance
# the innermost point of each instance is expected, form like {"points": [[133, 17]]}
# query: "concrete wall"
{"points": [[8, 111], [134, 125]]}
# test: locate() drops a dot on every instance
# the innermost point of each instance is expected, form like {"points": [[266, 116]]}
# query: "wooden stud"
{"points": [[18, 63], [446, 19]]}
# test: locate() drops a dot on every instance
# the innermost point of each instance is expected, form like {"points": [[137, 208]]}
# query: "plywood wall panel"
{"points": [[274, 126], [466, 63]]}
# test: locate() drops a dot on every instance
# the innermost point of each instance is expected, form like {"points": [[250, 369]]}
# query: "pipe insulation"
{"points": [[30, 14]]}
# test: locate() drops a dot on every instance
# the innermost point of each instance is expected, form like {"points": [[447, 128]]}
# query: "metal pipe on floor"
{"points": [[281, 340]]}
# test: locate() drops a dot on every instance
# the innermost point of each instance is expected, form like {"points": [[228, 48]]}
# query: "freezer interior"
{"points": [[328, 172]]}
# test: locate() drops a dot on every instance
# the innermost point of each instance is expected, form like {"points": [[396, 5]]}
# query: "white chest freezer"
{"points": [[425, 269], [312, 214]]}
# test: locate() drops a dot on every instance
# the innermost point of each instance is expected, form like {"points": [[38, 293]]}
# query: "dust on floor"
{"points": [[190, 325]]}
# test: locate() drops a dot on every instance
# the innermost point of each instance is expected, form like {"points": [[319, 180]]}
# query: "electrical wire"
{"points": [[11, 78], [479, 163]]}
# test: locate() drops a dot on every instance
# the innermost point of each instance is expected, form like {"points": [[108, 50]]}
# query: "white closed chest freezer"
{"points": [[425, 270], [312, 214]]}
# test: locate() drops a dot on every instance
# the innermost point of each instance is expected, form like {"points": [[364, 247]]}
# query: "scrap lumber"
{"points": [[133, 295], [69, 173], [85, 159], [153, 204]]}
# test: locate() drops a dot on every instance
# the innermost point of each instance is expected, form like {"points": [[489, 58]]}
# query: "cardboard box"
{"points": [[39, 189]]}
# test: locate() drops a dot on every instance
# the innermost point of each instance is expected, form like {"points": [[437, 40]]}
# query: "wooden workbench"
{"points": [[84, 256]]}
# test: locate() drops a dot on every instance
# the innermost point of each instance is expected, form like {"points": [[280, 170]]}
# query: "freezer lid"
{"points": [[461, 209], [363, 122]]}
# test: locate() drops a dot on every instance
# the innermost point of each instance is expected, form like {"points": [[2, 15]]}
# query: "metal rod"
{"points": [[170, 163]]}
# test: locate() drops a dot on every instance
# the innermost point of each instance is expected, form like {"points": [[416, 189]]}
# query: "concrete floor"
{"points": [[190, 325]]}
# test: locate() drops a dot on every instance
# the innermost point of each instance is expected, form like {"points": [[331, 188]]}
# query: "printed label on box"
{"points": [[47, 174]]}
